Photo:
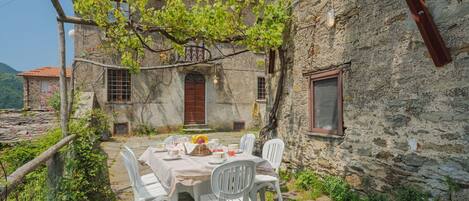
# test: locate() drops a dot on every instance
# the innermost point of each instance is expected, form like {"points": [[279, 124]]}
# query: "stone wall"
{"points": [[17, 125], [158, 95], [393, 95], [35, 98]]}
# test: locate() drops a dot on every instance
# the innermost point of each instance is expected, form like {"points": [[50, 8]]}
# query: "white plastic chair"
{"points": [[148, 178], [182, 140], [142, 192], [272, 152], [247, 143], [232, 181], [170, 140]]}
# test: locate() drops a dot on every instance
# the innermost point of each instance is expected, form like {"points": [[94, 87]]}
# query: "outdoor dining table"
{"points": [[191, 173]]}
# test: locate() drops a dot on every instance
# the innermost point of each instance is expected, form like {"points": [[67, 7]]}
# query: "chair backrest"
{"points": [[170, 140], [233, 180], [182, 140], [131, 156], [273, 152], [136, 182], [135, 179], [247, 143]]}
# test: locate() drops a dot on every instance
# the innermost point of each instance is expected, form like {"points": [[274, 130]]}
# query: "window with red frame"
{"points": [[325, 100]]}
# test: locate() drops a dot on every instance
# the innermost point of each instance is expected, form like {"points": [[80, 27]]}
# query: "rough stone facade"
{"points": [[393, 95], [17, 125], [33, 97], [157, 96]]}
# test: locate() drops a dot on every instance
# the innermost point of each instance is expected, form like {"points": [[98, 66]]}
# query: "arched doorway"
{"points": [[194, 99]]}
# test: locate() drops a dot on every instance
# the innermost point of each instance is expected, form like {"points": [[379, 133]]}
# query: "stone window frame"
{"points": [[127, 93], [322, 75]]}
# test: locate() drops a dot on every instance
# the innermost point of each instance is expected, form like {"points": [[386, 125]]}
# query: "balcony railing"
{"points": [[194, 53]]}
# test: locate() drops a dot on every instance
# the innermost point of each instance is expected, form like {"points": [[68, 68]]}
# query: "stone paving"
{"points": [[117, 173]]}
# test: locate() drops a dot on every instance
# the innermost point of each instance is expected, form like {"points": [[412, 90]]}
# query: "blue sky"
{"points": [[28, 33]]}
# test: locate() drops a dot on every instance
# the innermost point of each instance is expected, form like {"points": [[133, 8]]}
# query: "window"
{"points": [[260, 88], [326, 102], [118, 85], [44, 86]]}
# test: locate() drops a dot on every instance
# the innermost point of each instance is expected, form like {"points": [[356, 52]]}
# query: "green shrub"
{"points": [[336, 187], [411, 194], [377, 197], [144, 129], [34, 185], [85, 170], [307, 180], [285, 175], [85, 165], [54, 101], [339, 190]]}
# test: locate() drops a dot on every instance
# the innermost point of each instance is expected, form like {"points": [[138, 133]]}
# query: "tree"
{"points": [[255, 24]]}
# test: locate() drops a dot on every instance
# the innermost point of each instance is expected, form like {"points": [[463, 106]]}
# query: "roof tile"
{"points": [[45, 72]]}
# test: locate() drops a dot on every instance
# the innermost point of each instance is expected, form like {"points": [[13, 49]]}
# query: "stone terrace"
{"points": [[117, 173]]}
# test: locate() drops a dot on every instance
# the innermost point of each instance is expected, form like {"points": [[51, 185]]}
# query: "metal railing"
{"points": [[194, 53]]}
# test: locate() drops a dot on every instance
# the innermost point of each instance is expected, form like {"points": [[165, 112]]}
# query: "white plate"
{"points": [[159, 150], [169, 158], [213, 162]]}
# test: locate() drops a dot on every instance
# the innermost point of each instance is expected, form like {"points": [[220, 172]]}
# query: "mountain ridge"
{"points": [[5, 68], [11, 88]]}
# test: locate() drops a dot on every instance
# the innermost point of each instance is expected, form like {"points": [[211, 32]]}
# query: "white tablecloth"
{"points": [[190, 170]]}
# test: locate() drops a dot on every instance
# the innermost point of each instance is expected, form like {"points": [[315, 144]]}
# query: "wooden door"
{"points": [[194, 99]]}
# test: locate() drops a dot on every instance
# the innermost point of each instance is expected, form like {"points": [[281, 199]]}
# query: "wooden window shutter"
{"points": [[271, 61]]}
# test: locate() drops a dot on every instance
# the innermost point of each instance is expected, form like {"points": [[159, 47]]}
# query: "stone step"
{"points": [[195, 126], [197, 130]]}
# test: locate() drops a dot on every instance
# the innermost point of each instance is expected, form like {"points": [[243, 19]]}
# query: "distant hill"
{"points": [[11, 88], [7, 69]]}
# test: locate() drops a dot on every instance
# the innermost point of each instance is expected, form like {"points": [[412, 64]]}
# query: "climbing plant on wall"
{"points": [[255, 24]]}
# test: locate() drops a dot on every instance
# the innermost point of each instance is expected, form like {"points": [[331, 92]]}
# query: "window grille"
{"points": [[118, 85], [261, 91]]}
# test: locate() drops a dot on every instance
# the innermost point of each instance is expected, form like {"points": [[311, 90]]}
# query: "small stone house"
{"points": [[227, 94], [363, 99], [39, 85]]}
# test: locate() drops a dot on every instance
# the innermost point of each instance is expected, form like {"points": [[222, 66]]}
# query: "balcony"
{"points": [[193, 53]]}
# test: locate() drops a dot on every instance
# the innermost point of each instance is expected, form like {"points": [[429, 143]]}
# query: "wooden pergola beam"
{"points": [[76, 20], [62, 17], [58, 8]]}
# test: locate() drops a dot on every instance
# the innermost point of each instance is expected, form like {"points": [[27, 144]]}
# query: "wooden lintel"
{"points": [[430, 34]]}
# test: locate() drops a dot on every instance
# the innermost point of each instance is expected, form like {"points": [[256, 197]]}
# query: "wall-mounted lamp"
{"points": [[71, 33], [330, 18], [215, 79]]}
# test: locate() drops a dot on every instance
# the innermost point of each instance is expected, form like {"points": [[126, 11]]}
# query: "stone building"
{"points": [[39, 85], [363, 99], [227, 94]]}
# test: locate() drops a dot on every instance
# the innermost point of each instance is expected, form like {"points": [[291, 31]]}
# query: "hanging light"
{"points": [[215, 79]]}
